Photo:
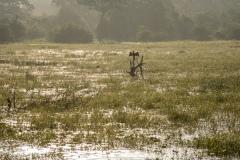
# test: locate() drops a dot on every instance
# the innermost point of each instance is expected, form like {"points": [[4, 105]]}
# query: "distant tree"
{"points": [[12, 14], [69, 12], [185, 28], [221, 34], [103, 6], [14, 29], [71, 33], [41, 26], [234, 16], [43, 8], [161, 36], [36, 32], [17, 29], [235, 32], [201, 33], [68, 15], [5, 34], [149, 13], [144, 34], [193, 7], [208, 20], [59, 3], [125, 25], [15, 7], [117, 27], [65, 3]]}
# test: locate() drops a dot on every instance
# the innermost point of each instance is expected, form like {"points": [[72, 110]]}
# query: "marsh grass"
{"points": [[38, 138], [81, 94], [7, 132], [220, 144]]}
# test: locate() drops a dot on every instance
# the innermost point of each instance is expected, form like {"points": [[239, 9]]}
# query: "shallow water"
{"points": [[72, 153]]}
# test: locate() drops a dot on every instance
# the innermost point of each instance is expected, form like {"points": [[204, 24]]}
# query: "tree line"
{"points": [[83, 21]]}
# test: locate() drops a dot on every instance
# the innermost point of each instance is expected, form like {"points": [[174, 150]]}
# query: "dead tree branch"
{"points": [[133, 68]]}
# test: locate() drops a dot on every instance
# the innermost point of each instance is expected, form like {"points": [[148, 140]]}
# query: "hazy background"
{"points": [[86, 21]]}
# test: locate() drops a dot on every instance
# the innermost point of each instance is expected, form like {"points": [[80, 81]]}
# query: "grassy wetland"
{"points": [[78, 101]]}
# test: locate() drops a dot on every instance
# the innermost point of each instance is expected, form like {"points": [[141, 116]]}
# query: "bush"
{"points": [[71, 33], [144, 34]]}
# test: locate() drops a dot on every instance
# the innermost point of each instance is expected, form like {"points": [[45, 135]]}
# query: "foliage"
{"points": [[191, 7], [165, 23], [71, 33], [35, 32], [70, 12], [235, 32], [68, 15], [17, 3], [122, 20], [133, 15], [102, 6], [5, 34], [13, 31], [144, 34], [17, 29], [185, 27], [62, 3], [201, 33], [15, 7]]}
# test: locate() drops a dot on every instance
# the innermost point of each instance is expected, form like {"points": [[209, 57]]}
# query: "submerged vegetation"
{"points": [[80, 97]]}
